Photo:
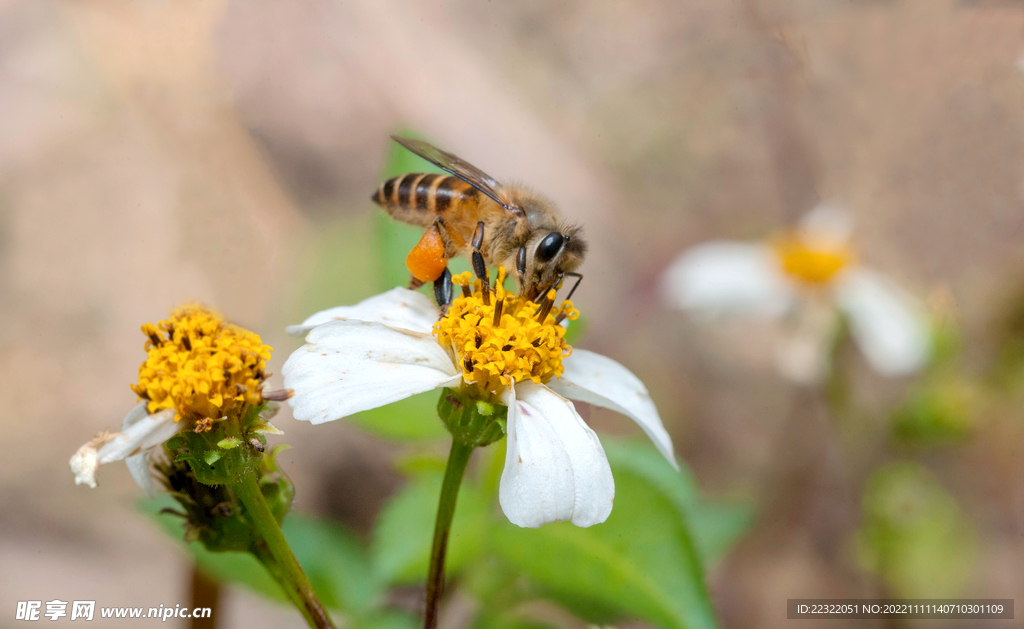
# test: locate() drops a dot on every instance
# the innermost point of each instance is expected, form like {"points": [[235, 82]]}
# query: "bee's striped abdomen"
{"points": [[423, 193]]}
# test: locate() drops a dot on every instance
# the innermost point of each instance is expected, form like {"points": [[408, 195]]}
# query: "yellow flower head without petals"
{"points": [[201, 366], [516, 346]]}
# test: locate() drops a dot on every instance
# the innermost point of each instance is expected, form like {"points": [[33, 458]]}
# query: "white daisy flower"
{"points": [[806, 278], [392, 346]]}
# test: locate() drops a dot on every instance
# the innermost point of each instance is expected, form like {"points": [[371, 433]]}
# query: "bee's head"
{"points": [[550, 254]]}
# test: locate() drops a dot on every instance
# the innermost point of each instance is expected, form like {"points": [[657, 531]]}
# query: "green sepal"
{"points": [[229, 443], [470, 420], [223, 454], [213, 514]]}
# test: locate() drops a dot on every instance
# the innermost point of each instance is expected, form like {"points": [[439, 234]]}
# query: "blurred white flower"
{"points": [[387, 348], [805, 278]]}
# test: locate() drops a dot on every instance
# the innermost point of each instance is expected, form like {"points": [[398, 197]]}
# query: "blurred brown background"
{"points": [[164, 150]]}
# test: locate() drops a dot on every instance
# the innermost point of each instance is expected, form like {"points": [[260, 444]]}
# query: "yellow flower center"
{"points": [[809, 261], [496, 337], [201, 366]]}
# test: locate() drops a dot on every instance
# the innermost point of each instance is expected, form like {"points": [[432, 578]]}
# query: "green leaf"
{"points": [[715, 525], [411, 419], [339, 263], [641, 562], [334, 561], [575, 329], [336, 564], [513, 622], [227, 567], [385, 620], [404, 530]]}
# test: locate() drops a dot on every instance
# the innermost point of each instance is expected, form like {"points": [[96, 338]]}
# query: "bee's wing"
{"points": [[461, 169]]}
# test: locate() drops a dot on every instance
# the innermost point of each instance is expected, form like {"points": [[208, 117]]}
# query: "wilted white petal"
{"points": [[887, 323], [599, 380], [723, 277], [142, 434], [138, 464], [138, 467], [827, 225], [399, 308], [84, 464], [555, 467], [138, 412], [269, 411], [351, 366]]}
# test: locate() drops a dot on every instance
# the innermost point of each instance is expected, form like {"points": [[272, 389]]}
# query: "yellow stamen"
{"points": [[201, 366], [811, 262], [517, 347]]}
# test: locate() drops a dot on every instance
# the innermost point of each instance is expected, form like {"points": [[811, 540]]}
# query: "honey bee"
{"points": [[469, 213]]}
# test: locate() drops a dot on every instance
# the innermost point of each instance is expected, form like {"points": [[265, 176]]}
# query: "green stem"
{"points": [[458, 458], [248, 490]]}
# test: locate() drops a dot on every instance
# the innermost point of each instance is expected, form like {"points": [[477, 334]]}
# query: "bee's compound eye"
{"points": [[548, 248]]}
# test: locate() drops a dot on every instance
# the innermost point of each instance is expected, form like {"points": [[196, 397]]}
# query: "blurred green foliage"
{"points": [[939, 410], [942, 406], [914, 535]]}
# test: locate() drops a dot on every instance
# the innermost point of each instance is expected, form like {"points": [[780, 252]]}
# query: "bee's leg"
{"points": [[579, 278], [452, 241], [478, 264], [443, 291], [414, 282], [521, 269]]}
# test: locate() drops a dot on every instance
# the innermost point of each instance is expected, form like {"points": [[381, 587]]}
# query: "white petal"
{"points": [[142, 432], [802, 353], [827, 225], [270, 411], [724, 277], [555, 467], [351, 366], [138, 412], [138, 464], [887, 323], [599, 380], [147, 432], [138, 467], [398, 308], [84, 464]]}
